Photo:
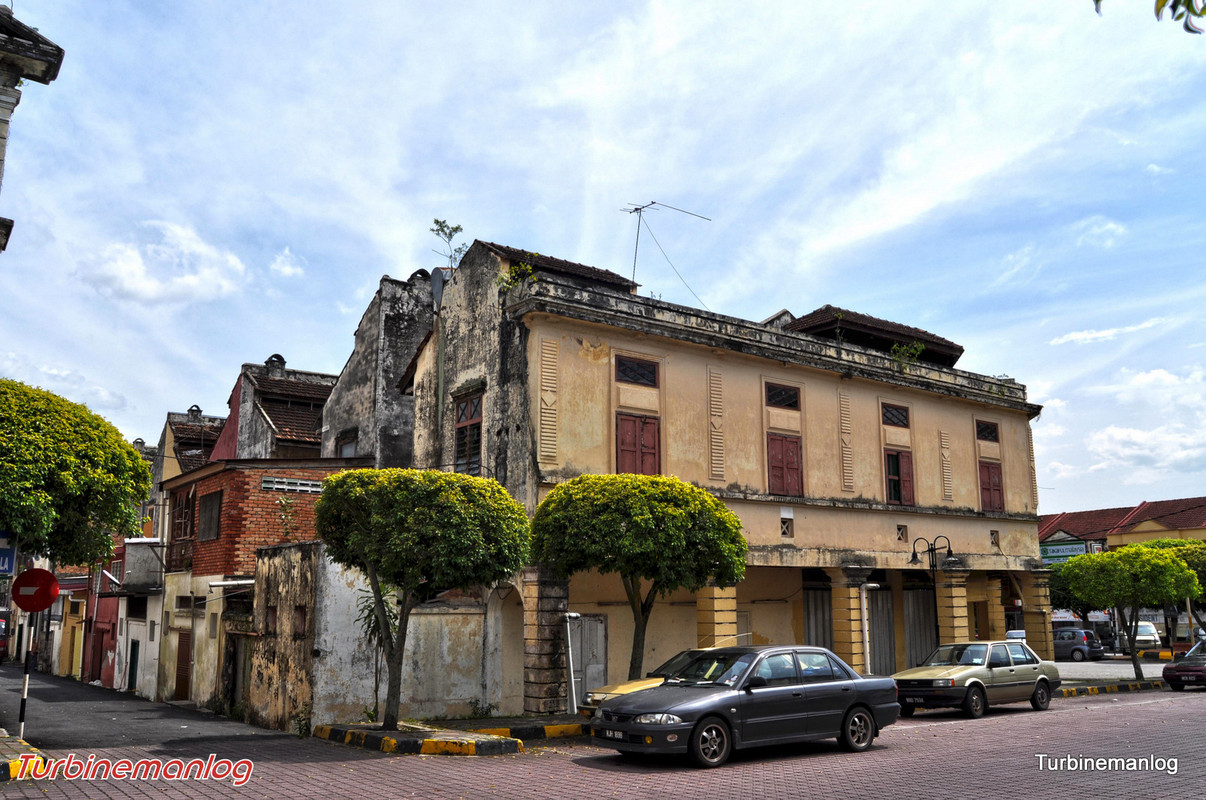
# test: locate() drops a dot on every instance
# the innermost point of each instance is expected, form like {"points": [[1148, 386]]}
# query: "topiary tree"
{"points": [[414, 534], [1193, 553], [1062, 595], [657, 533], [1131, 578], [69, 482]]}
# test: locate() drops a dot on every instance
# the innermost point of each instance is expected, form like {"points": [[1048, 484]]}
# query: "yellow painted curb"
{"points": [[558, 731], [493, 731], [435, 747], [322, 731]]}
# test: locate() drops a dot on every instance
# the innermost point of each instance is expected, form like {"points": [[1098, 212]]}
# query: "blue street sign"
{"points": [[7, 557]]}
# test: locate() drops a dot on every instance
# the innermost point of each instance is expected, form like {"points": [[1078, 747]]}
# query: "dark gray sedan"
{"points": [[737, 697]]}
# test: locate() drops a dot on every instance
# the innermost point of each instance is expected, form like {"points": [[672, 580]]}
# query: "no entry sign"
{"points": [[35, 590]]}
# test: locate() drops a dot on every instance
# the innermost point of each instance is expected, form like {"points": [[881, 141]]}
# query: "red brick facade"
{"points": [[250, 516]]}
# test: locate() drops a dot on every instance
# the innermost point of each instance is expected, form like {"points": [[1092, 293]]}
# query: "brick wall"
{"points": [[251, 518]]}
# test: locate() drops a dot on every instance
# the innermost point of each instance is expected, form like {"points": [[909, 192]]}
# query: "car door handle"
{"points": [[797, 694], [845, 688]]}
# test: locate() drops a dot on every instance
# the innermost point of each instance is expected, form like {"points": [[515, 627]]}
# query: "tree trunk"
{"points": [[641, 608], [393, 684], [1132, 628]]}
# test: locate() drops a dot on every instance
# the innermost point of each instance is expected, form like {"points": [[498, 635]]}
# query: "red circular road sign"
{"points": [[35, 590]]}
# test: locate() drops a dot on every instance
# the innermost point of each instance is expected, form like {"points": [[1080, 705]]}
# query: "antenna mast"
{"points": [[640, 210]]}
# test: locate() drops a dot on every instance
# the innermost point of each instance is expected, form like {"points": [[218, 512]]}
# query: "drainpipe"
{"points": [[862, 600], [569, 662]]}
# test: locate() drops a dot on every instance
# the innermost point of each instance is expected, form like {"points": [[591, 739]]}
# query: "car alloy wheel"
{"points": [[711, 743], [1041, 697], [1078, 655], [858, 730], [973, 703]]}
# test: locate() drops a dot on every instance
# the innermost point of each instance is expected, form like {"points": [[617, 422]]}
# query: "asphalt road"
{"points": [[936, 754]]}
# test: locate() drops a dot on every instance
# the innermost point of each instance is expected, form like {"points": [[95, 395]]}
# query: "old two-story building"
{"points": [[868, 471]]}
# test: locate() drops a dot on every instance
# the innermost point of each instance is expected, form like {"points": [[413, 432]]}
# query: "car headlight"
{"points": [[598, 713], [592, 698], [657, 719], [945, 682]]}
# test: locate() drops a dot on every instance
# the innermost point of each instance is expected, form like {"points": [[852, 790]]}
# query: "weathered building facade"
{"points": [[366, 414], [275, 412], [853, 451]]}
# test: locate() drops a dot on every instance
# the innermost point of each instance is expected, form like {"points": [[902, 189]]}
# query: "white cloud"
{"points": [[1159, 388], [1090, 336], [68, 383], [287, 265], [1175, 447], [178, 268], [1098, 231], [1156, 169], [1018, 268]]}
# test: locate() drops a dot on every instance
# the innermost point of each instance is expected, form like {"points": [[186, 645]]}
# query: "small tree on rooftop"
{"points": [[415, 534], [658, 533]]}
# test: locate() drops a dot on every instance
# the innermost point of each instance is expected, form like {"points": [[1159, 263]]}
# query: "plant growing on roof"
{"points": [[447, 233], [415, 534], [905, 355], [658, 533], [68, 481]]}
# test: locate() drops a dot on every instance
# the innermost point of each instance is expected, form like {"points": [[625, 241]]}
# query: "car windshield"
{"points": [[723, 668], [1147, 629], [1198, 649], [674, 664], [952, 655]]}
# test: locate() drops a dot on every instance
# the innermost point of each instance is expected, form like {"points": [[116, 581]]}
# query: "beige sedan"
{"points": [[975, 675]]}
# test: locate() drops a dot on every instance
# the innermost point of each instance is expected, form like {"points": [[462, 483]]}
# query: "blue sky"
{"points": [[206, 184]]}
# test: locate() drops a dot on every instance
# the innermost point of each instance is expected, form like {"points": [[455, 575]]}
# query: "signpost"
{"points": [[34, 590], [1059, 553]]}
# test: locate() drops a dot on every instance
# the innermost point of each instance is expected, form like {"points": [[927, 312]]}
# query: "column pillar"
{"points": [[996, 608], [951, 591], [545, 601], [1036, 610], [716, 616], [844, 584]]}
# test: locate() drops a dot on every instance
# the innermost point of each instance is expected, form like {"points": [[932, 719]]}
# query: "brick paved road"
{"points": [[934, 755]]}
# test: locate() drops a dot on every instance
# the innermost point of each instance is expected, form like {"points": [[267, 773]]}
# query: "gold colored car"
{"points": [[975, 675], [655, 678]]}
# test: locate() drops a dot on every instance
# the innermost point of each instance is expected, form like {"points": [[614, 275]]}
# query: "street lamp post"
{"points": [[931, 550]]}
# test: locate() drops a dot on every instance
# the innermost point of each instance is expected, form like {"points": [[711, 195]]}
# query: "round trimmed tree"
{"points": [[658, 533], [69, 482], [414, 534]]}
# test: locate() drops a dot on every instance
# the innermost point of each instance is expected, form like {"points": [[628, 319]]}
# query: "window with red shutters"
{"points": [[469, 435], [898, 474], [992, 494], [637, 449], [784, 461]]}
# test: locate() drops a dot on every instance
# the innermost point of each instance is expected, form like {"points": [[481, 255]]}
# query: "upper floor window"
{"points": [[638, 450], [895, 415], [782, 396], [898, 475], [469, 435], [210, 513], [987, 431], [784, 458], [182, 514], [345, 443], [992, 494], [636, 370]]}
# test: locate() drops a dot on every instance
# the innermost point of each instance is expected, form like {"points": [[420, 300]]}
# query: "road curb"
{"points": [[1112, 688], [420, 741], [529, 732], [11, 750]]}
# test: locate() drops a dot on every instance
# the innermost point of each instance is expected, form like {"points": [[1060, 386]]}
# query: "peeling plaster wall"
{"points": [[280, 688]]}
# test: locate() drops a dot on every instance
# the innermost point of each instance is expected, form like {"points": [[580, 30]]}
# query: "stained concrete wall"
{"points": [[281, 687], [366, 398]]}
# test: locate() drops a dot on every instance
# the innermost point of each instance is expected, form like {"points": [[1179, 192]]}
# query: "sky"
{"points": [[208, 183]]}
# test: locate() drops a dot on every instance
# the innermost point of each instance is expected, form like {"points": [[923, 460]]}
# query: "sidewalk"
{"points": [[11, 750], [456, 737]]}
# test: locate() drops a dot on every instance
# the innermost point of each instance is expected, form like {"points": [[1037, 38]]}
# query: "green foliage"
{"points": [[649, 529], [1183, 11], [422, 531], [1131, 577], [514, 276], [652, 527], [447, 233], [905, 355], [68, 481], [287, 514], [1062, 595]]}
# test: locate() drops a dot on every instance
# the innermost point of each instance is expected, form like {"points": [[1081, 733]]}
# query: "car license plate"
{"points": [[912, 699], [1190, 677], [613, 734]]}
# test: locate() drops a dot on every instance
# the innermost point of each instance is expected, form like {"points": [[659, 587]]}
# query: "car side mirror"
{"points": [[755, 682]]}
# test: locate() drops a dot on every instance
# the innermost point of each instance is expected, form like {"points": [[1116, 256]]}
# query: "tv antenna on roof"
{"points": [[640, 210]]}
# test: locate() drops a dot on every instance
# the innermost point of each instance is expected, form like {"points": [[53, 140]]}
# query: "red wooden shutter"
{"points": [[906, 478], [783, 464], [992, 497], [651, 462], [628, 451]]}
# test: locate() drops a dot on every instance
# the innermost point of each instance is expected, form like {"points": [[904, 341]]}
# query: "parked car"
{"points": [[594, 697], [975, 675], [737, 697], [1188, 669], [1146, 638], [1077, 644]]}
